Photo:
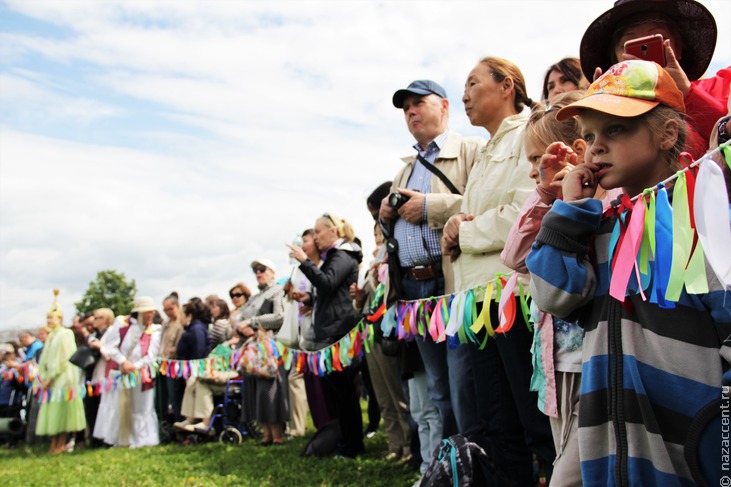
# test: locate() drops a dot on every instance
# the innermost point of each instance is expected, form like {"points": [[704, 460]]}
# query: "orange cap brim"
{"points": [[619, 106]]}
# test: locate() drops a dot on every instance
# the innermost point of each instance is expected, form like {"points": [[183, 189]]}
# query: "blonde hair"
{"points": [[544, 129], [656, 119], [501, 69], [105, 313], [344, 229]]}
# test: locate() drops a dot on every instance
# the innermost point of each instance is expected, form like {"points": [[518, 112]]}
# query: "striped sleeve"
{"points": [[562, 278]]}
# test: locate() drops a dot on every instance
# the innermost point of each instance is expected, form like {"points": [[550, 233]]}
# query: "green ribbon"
{"points": [[524, 308], [328, 360], [682, 239], [726, 150], [647, 246]]}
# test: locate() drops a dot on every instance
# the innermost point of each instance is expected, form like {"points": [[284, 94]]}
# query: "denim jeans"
{"points": [[427, 419], [450, 380]]}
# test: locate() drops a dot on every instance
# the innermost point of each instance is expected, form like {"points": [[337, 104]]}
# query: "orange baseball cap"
{"points": [[628, 89]]}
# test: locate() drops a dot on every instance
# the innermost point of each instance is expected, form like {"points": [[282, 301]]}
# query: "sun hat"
{"points": [[693, 21], [142, 304], [266, 263], [628, 89], [418, 87]]}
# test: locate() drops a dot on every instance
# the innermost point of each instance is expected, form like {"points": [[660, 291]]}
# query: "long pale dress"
{"points": [[133, 418], [62, 416], [106, 427]]}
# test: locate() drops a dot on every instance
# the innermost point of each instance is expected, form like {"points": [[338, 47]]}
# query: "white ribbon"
{"points": [[711, 212]]}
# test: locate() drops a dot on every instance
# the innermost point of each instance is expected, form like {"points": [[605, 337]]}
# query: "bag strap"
{"points": [[432, 168]]}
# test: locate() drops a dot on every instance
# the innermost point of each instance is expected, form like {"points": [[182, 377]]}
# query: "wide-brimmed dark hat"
{"points": [[694, 22]]}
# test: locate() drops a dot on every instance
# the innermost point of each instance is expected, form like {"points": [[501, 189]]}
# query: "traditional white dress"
{"points": [[107, 419], [132, 409]]}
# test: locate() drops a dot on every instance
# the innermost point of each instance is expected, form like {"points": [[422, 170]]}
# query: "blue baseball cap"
{"points": [[419, 87]]}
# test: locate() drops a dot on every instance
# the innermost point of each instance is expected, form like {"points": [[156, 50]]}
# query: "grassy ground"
{"points": [[205, 464]]}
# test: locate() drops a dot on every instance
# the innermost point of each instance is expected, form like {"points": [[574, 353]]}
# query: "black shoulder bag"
{"points": [[432, 168]]}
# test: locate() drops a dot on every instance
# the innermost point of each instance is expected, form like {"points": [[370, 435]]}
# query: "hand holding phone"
{"points": [[649, 48]]}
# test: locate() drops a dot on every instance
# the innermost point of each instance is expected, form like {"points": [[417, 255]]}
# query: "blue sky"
{"points": [[178, 141]]}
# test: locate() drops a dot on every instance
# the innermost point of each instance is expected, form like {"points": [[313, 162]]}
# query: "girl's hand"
{"points": [[580, 182], [558, 155], [556, 185], [297, 253]]}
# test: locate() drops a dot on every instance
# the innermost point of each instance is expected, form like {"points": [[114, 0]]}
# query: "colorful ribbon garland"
{"points": [[666, 247]]}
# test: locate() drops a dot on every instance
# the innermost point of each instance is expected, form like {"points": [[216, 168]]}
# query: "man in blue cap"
{"points": [[425, 193]]}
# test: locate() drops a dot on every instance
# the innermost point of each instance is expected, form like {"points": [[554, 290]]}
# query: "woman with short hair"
{"points": [[265, 400], [194, 345]]}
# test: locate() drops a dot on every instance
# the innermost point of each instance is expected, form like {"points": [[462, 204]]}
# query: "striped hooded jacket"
{"points": [[651, 377]]}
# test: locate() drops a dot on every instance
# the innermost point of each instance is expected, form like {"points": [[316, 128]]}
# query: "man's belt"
{"points": [[422, 272]]}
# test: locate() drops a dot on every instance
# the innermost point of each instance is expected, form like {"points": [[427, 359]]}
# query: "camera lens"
{"points": [[394, 199], [644, 47]]}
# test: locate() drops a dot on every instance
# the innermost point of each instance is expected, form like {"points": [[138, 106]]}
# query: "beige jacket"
{"points": [[455, 160], [498, 186]]}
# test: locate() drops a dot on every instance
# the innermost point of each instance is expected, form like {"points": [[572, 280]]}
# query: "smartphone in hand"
{"points": [[649, 48]]}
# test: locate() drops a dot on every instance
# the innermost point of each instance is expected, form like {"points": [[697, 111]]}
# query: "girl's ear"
{"points": [[579, 146], [668, 135]]}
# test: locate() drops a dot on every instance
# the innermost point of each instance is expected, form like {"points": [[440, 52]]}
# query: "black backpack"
{"points": [[458, 462]]}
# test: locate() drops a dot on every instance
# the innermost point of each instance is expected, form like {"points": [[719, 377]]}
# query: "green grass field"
{"points": [[204, 464]]}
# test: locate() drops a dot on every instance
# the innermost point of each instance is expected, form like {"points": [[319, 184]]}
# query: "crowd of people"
{"points": [[595, 389]]}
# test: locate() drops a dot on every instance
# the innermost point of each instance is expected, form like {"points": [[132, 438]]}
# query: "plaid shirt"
{"points": [[419, 244]]}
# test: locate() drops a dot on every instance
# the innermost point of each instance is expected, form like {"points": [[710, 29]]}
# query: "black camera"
{"points": [[397, 200]]}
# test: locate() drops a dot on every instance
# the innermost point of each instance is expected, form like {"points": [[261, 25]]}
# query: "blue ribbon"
{"points": [[663, 248]]}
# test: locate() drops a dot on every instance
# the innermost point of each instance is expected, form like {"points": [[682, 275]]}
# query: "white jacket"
{"points": [[498, 185]]}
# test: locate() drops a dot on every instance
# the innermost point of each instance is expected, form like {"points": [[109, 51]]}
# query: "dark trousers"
{"points": [[169, 395], [512, 426], [91, 407], [317, 400], [341, 388]]}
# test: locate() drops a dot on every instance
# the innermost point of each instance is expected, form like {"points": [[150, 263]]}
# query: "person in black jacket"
{"points": [[334, 316], [194, 344]]}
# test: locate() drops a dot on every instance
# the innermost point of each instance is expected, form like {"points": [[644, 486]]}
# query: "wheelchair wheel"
{"points": [[230, 436]]}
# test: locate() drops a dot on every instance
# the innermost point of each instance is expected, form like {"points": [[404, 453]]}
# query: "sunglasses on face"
{"points": [[259, 269], [236, 295]]}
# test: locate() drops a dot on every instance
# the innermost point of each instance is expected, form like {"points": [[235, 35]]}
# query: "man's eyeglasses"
{"points": [[259, 269], [236, 295]]}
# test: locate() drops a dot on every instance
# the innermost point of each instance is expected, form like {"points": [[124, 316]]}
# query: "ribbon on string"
{"points": [[664, 249], [712, 219], [506, 308], [626, 259], [682, 239], [454, 321], [388, 323]]}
